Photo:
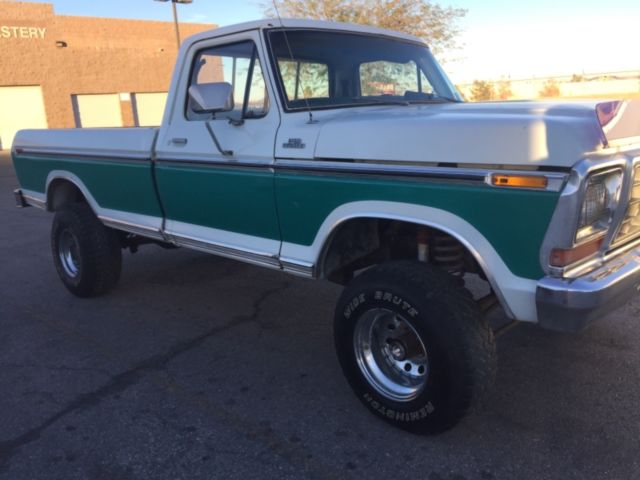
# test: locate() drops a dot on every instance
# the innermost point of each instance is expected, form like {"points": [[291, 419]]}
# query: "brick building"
{"points": [[61, 71]]}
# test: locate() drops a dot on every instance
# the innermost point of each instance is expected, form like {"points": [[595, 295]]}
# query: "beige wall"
{"points": [[20, 107], [101, 56], [149, 108], [98, 110]]}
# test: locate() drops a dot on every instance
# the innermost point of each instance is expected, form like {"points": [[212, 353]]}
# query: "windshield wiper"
{"points": [[442, 98], [431, 98], [380, 101]]}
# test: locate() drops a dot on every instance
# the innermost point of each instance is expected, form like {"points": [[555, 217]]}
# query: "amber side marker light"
{"points": [[519, 181], [562, 257]]}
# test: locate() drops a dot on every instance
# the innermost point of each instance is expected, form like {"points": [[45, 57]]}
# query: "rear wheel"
{"points": [[414, 346], [86, 254]]}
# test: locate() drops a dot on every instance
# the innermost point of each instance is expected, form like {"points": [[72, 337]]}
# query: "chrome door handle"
{"points": [[179, 141]]}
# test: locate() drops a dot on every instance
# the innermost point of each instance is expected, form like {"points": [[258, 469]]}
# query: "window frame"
{"points": [[255, 56], [279, 84]]}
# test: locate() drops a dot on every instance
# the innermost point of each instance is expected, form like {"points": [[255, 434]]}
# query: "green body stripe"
{"points": [[243, 201], [513, 221], [237, 200], [117, 185]]}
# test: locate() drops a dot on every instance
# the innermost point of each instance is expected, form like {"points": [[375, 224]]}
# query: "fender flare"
{"points": [[134, 222], [516, 294]]}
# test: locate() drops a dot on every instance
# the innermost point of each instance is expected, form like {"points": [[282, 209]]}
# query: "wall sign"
{"points": [[12, 31]]}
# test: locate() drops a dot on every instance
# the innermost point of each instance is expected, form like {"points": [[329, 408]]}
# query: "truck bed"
{"points": [[110, 167], [94, 142]]}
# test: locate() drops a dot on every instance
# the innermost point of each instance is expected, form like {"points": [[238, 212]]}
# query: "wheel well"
{"points": [[363, 242], [61, 192]]}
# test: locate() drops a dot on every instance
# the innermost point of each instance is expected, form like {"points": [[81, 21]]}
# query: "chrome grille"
{"points": [[630, 226]]}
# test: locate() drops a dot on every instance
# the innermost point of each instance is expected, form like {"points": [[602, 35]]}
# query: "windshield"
{"points": [[326, 69]]}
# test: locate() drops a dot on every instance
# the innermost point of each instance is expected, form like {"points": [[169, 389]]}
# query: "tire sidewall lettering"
{"points": [[384, 297], [397, 301], [354, 304], [399, 416]]}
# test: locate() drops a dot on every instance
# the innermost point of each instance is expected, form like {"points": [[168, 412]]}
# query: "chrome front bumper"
{"points": [[568, 305]]}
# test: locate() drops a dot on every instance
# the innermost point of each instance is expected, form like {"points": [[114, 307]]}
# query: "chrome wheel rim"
{"points": [[391, 355], [68, 254]]}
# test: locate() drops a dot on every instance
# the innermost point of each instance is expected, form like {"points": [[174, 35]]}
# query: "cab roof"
{"points": [[299, 23]]}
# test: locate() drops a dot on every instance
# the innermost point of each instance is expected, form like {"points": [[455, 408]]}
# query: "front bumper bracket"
{"points": [[568, 305]]}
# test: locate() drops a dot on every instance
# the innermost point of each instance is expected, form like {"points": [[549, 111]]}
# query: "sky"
{"points": [[499, 39]]}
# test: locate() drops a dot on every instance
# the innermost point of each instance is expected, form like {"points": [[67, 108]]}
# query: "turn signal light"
{"points": [[519, 181], [562, 257]]}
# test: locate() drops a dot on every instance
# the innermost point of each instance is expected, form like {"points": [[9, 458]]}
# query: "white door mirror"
{"points": [[211, 97]]}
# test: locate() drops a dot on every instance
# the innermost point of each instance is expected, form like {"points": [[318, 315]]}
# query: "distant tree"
{"points": [[462, 93], [504, 90], [550, 88], [575, 78], [482, 91], [435, 24]]}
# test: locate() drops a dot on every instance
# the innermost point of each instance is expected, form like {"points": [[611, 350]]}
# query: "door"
{"points": [[20, 108], [214, 201]]}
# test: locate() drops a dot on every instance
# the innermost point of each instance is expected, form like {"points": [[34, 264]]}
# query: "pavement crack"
{"points": [[122, 381], [258, 304]]}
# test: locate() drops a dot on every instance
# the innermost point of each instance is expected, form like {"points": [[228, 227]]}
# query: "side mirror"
{"points": [[211, 97]]}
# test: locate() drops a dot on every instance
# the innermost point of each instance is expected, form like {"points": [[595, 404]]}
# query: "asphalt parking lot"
{"points": [[197, 367]]}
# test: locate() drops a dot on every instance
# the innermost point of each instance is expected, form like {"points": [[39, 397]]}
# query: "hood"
{"points": [[507, 133]]}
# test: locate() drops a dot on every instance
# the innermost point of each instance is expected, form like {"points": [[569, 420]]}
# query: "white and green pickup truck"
{"points": [[344, 153]]}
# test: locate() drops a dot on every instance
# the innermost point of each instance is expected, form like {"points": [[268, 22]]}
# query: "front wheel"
{"points": [[414, 346], [86, 254]]}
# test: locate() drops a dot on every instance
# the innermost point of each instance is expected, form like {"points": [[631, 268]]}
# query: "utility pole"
{"points": [[175, 16]]}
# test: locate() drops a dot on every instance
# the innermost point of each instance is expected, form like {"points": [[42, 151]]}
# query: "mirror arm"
{"points": [[226, 153], [236, 123]]}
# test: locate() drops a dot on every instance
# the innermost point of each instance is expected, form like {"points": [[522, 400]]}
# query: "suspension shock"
{"points": [[447, 252], [423, 245]]}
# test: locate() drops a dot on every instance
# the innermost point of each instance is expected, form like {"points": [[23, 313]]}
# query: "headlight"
{"points": [[630, 226], [599, 205]]}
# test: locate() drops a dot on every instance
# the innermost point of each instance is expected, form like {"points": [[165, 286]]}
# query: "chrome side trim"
{"points": [[248, 256], [35, 199], [328, 166], [82, 154], [196, 162], [298, 267], [555, 181], [136, 229], [392, 169]]}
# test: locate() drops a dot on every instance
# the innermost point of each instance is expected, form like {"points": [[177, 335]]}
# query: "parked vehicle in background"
{"points": [[344, 153]]}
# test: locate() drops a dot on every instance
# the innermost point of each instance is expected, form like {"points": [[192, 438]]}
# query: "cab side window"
{"points": [[239, 65]]}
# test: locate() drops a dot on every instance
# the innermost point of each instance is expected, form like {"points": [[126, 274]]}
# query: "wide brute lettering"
{"points": [[21, 32]]}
